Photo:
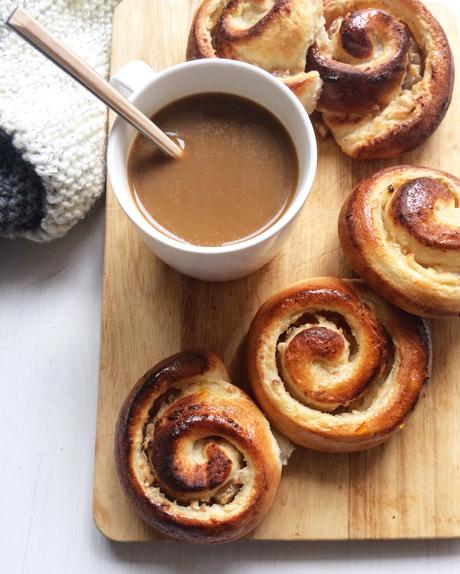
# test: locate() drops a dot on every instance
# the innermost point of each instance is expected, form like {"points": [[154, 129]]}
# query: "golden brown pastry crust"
{"points": [[388, 75], [400, 231], [250, 31], [194, 453], [334, 367]]}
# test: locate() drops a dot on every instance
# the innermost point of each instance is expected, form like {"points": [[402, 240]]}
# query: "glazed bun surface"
{"points": [[400, 231], [388, 74], [194, 453], [272, 34], [335, 367]]}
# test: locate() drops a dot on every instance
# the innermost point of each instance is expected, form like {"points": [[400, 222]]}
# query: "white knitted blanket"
{"points": [[57, 129]]}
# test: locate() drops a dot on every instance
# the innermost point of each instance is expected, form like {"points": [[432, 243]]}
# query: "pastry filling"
{"points": [[421, 222], [369, 59], [320, 361], [185, 467]]}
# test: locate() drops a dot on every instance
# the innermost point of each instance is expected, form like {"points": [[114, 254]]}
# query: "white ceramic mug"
{"points": [[151, 91]]}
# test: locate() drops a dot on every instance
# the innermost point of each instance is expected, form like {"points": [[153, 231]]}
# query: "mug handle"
{"points": [[132, 77]]}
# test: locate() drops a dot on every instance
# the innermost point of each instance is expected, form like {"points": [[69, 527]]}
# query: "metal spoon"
{"points": [[21, 22]]}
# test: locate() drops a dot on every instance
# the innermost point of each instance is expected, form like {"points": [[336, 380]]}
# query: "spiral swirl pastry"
{"points": [[334, 367], [400, 231], [194, 453], [272, 34], [388, 75]]}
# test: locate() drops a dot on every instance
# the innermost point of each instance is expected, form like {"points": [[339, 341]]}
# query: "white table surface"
{"points": [[50, 302]]}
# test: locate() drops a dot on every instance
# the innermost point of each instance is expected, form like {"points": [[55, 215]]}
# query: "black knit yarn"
{"points": [[22, 194]]}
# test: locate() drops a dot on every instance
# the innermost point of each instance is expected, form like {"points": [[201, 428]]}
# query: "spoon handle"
{"points": [[21, 22]]}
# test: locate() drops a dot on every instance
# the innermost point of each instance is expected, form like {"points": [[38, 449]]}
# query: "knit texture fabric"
{"points": [[52, 131]]}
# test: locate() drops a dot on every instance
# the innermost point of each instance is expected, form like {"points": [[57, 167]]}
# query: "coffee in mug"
{"points": [[238, 175]]}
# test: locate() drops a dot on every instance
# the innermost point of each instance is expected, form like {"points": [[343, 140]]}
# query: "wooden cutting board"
{"points": [[407, 488]]}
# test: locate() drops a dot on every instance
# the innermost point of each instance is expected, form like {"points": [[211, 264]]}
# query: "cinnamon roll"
{"points": [[272, 34], [388, 75], [194, 453], [400, 231], [334, 367]]}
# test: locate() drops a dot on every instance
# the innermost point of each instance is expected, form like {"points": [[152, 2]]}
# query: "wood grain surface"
{"points": [[407, 488]]}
